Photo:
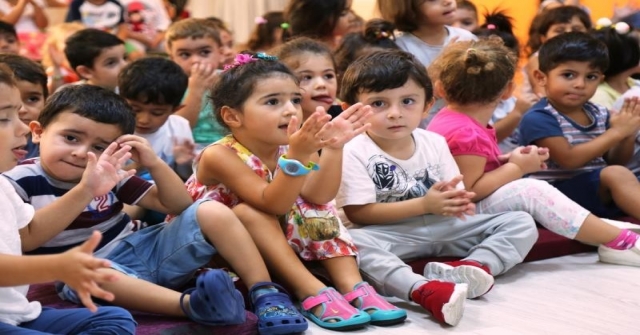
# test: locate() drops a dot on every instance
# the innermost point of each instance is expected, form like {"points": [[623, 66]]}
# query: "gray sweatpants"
{"points": [[499, 241]]}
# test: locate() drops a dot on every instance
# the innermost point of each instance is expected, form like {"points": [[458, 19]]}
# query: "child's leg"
{"points": [[280, 258], [620, 184], [107, 320], [551, 208]]}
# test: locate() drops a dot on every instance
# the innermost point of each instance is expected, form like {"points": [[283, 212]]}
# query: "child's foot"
{"points": [[445, 301], [214, 301], [335, 312], [477, 276], [275, 311], [623, 257], [382, 313]]}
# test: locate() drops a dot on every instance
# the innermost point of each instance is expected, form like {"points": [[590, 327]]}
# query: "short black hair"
{"points": [[25, 69], [8, 28], [314, 18], [236, 85], [383, 70], [84, 46], [91, 102], [624, 50], [573, 46], [154, 80]]}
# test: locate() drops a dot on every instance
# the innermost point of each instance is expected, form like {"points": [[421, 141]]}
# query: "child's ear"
{"points": [[231, 117], [36, 131], [84, 72], [427, 107], [540, 78], [438, 89]]}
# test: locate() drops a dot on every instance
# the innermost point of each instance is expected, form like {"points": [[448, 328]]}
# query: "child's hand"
{"points": [[57, 57], [441, 199], [627, 121], [524, 102], [183, 151], [346, 126], [203, 76], [307, 140], [528, 159], [141, 151], [78, 269], [451, 185], [102, 174]]}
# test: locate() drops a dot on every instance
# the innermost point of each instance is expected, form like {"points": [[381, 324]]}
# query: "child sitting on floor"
{"points": [[76, 267], [85, 137], [474, 77], [266, 171], [402, 189]]}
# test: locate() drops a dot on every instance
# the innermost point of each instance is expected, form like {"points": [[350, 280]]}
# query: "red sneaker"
{"points": [[445, 301], [477, 276]]}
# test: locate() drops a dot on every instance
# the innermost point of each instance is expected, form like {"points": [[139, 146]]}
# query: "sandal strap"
{"points": [[334, 306], [312, 302], [369, 298], [362, 290]]}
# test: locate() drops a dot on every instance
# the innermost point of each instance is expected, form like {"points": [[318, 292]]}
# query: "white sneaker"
{"points": [[478, 280], [623, 257]]}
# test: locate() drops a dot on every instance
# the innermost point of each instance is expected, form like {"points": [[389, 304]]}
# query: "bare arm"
{"points": [[322, 186], [40, 17], [384, 213], [575, 156], [201, 79], [15, 13], [481, 183]]}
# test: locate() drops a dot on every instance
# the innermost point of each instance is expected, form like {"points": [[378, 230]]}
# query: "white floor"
{"points": [[567, 295]]}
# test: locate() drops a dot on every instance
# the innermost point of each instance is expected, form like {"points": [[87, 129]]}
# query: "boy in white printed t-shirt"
{"points": [[107, 15], [154, 88]]}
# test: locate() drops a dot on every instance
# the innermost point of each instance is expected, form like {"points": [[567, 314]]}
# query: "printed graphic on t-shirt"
{"points": [[393, 183]]}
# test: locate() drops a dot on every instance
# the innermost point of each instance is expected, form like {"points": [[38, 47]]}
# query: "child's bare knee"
{"points": [[616, 175]]}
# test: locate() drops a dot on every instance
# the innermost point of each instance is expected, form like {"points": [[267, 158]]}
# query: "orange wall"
{"points": [[523, 11]]}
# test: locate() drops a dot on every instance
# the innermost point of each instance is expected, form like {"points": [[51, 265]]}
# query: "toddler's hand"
{"points": [[307, 140], [350, 123], [451, 185], [183, 151], [79, 269], [528, 159], [141, 151], [102, 174], [440, 200], [203, 76], [627, 121]]}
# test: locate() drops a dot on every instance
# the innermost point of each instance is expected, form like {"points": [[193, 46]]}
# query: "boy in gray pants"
{"points": [[402, 189]]}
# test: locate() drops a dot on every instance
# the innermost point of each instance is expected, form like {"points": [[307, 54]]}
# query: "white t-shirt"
{"points": [[14, 306], [370, 175], [426, 53], [161, 141], [25, 24]]}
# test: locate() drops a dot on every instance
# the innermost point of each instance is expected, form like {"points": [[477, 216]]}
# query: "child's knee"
{"points": [[617, 175], [211, 212]]}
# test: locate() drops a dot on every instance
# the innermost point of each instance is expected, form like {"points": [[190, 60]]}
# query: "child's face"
{"points": [[106, 68], [343, 26], [466, 19], [396, 112], [571, 84], [560, 28], [439, 12], [149, 117], [32, 100], [13, 133], [188, 51], [66, 141], [228, 54], [268, 110], [9, 44], [317, 82]]}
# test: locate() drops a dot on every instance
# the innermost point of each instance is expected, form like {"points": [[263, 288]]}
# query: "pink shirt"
{"points": [[466, 136]]}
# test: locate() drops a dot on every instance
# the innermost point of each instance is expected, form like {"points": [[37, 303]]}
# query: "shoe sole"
{"points": [[612, 256], [452, 310], [479, 282]]}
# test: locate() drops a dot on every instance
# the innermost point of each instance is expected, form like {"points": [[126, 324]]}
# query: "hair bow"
{"points": [[242, 59], [620, 27], [260, 20], [491, 26], [284, 26]]}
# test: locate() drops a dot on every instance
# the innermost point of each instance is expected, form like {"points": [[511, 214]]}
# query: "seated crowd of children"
{"points": [[356, 148]]}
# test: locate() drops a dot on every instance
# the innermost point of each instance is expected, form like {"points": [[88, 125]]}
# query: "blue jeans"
{"points": [[167, 254], [75, 321]]}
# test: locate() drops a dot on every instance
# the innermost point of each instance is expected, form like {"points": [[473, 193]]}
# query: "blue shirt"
{"points": [[543, 121]]}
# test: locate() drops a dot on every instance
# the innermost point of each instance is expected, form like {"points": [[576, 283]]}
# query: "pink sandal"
{"points": [[337, 313], [382, 313]]}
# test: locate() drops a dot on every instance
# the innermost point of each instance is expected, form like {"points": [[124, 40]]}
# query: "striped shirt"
{"points": [[103, 213], [543, 121]]}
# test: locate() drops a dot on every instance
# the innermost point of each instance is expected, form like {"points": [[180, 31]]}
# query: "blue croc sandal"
{"points": [[214, 301], [276, 313], [336, 313]]}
